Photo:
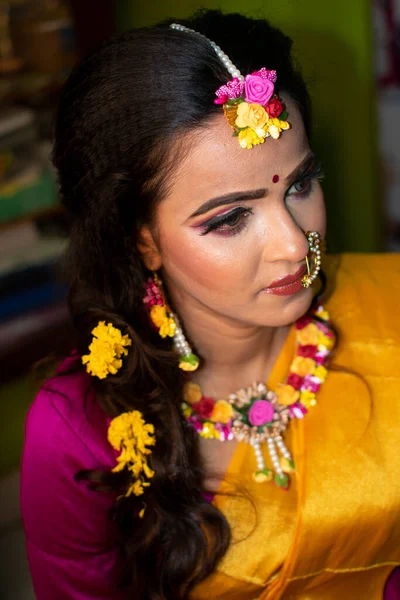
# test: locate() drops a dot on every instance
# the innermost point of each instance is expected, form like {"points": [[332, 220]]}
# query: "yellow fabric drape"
{"points": [[336, 532]]}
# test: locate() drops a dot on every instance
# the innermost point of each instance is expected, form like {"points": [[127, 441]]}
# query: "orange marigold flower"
{"points": [[287, 395]]}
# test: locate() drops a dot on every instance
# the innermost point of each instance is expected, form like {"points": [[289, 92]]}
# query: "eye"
{"points": [[300, 188], [228, 224]]}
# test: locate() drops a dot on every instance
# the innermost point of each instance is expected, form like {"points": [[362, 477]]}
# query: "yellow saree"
{"points": [[335, 534]]}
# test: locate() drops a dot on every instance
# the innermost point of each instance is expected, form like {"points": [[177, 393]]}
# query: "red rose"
{"points": [[303, 322], [308, 351], [274, 108], [204, 407], [295, 381]]}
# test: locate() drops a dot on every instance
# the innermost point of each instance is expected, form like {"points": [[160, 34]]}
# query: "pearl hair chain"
{"points": [[226, 61]]}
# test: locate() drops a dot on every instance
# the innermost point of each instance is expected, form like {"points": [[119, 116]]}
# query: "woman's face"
{"points": [[233, 223]]}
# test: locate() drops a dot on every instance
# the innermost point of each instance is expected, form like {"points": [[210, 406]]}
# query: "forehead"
{"points": [[216, 164]]}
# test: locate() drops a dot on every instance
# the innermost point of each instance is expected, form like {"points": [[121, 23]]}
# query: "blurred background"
{"points": [[350, 56]]}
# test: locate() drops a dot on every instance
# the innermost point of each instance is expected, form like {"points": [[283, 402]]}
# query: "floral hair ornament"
{"points": [[105, 351], [250, 104], [133, 437]]}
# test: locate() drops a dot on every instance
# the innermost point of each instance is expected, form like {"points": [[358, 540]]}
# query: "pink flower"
{"points": [[308, 351], [258, 90], [233, 89], [297, 411], [221, 100], [224, 430], [204, 407], [261, 412], [266, 74], [296, 381], [195, 422], [320, 359], [311, 384]]}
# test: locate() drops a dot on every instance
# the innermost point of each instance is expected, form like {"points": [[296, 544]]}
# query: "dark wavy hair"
{"points": [[122, 122]]}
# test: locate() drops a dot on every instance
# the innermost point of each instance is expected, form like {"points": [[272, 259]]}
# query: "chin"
{"points": [[284, 310]]}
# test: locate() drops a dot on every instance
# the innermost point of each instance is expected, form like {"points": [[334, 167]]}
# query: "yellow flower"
{"points": [[168, 327], [274, 127], [106, 349], [303, 366], [308, 399], [321, 373], [186, 366], [308, 335], [324, 340], [323, 314], [287, 395], [158, 314], [251, 115], [285, 465], [209, 431], [191, 392], [130, 434], [263, 476], [222, 412], [248, 138], [186, 410]]}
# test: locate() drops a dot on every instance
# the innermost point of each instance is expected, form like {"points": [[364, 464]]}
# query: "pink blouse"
{"points": [[71, 543]]}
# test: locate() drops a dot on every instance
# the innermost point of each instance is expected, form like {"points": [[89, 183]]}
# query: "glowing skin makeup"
{"points": [[225, 233]]}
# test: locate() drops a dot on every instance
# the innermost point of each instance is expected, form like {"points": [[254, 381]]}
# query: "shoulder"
{"points": [[364, 292], [65, 418]]}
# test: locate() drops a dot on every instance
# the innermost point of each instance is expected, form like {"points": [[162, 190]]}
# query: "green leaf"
{"points": [[282, 480], [192, 359], [283, 116]]}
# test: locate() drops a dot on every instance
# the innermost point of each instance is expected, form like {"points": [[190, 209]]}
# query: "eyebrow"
{"points": [[229, 199], [301, 169]]}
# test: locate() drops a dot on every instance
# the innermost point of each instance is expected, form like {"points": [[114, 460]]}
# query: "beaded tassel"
{"points": [[263, 473]]}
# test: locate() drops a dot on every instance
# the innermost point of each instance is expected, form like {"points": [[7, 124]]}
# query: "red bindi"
{"points": [[275, 179]]}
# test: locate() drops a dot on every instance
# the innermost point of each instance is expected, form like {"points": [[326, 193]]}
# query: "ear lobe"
{"points": [[148, 249]]}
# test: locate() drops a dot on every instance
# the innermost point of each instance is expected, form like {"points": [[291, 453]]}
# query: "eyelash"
{"points": [[236, 219], [317, 173]]}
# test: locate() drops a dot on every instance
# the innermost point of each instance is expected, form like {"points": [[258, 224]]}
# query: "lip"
{"points": [[289, 279], [287, 289]]}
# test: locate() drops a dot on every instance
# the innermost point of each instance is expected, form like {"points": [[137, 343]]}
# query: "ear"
{"points": [[148, 249]]}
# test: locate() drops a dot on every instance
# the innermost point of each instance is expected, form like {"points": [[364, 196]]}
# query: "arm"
{"points": [[71, 544]]}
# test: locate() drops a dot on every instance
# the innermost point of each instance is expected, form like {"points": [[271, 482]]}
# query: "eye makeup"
{"points": [[228, 223], [231, 222], [314, 171]]}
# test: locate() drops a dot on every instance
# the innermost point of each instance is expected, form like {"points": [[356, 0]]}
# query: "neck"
{"points": [[233, 354]]}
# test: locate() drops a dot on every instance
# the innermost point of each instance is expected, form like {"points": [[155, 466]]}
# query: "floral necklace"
{"points": [[257, 415]]}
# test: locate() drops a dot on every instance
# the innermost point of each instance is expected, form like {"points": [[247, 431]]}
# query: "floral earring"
{"points": [[167, 323]]}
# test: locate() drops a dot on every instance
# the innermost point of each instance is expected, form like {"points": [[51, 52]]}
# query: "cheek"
{"points": [[196, 261]]}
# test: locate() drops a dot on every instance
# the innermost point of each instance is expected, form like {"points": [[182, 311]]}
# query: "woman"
{"points": [[187, 170]]}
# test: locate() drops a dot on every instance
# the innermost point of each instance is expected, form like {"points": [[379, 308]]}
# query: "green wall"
{"points": [[333, 42]]}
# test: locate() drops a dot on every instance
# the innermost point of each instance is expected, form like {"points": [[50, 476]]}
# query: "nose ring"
{"points": [[314, 243]]}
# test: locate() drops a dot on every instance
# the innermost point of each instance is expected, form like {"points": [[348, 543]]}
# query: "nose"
{"points": [[287, 240]]}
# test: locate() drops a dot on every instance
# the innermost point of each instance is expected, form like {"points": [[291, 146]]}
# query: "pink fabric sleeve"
{"points": [[392, 588], [71, 543]]}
